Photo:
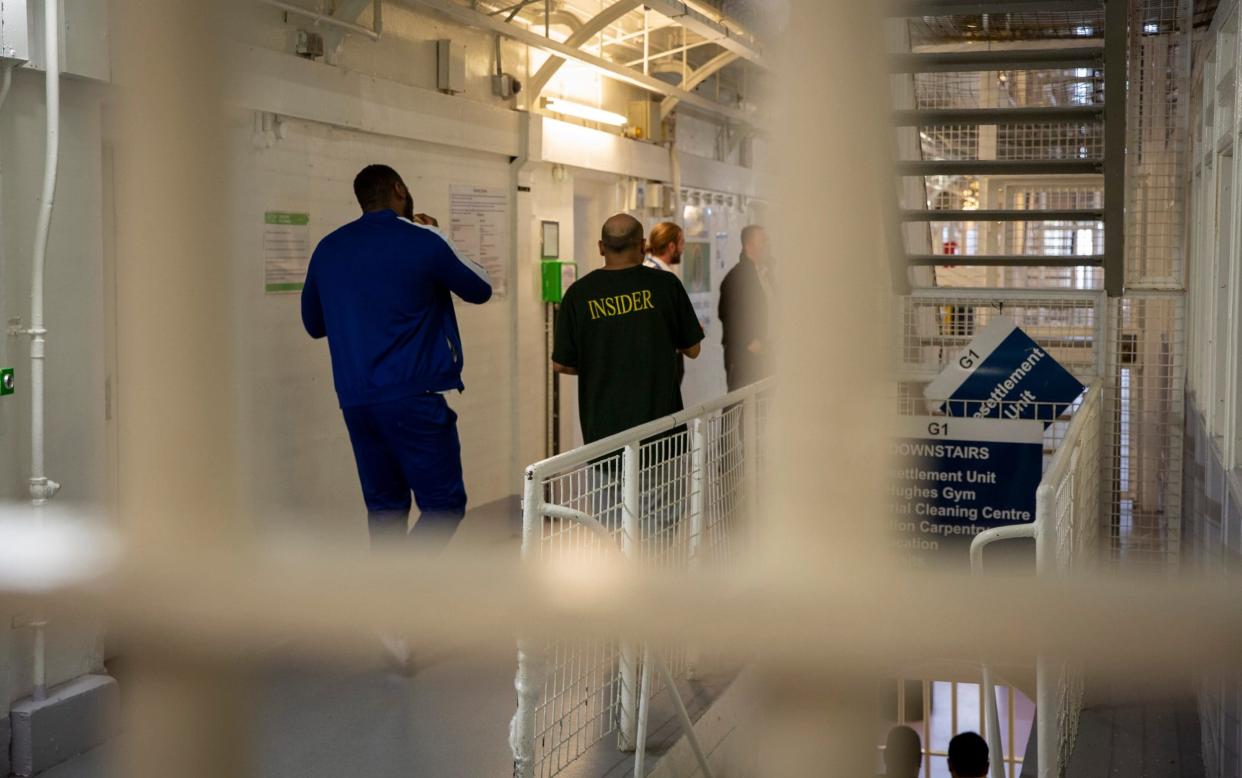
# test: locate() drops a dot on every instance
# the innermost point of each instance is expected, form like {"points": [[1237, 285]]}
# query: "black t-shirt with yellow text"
{"points": [[621, 330]]}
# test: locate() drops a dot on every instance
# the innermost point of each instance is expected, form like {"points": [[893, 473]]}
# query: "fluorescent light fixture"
{"points": [[586, 112]]}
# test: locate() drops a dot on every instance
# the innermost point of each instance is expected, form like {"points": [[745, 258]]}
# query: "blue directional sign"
{"points": [[1003, 373], [956, 477]]}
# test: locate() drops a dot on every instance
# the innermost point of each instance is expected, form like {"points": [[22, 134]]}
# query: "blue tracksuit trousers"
{"points": [[404, 446]]}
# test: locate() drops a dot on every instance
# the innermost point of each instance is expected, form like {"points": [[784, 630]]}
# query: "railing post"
{"points": [[698, 502], [991, 725], [698, 483], [530, 673], [750, 461], [1045, 565], [631, 534]]}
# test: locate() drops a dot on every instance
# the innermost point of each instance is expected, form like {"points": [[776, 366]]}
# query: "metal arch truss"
{"points": [[572, 49], [708, 69], [593, 27]]}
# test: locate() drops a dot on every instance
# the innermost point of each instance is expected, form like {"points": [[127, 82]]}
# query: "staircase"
{"points": [[1013, 39]]}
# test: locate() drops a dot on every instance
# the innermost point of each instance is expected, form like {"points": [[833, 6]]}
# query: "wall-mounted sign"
{"points": [[550, 240], [286, 251], [1003, 373], [956, 477], [479, 228]]}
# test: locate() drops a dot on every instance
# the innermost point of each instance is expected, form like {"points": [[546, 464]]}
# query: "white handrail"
{"points": [[721, 449], [1043, 531], [650, 659], [590, 451]]}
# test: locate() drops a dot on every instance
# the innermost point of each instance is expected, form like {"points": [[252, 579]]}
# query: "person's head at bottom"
{"points": [[621, 241], [903, 753], [968, 756]]}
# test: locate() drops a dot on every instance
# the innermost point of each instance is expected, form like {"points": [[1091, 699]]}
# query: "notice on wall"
{"points": [[696, 276], [1004, 373], [286, 251], [479, 229], [955, 478]]}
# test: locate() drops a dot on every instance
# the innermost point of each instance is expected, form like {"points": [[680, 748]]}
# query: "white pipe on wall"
{"points": [[41, 487]]}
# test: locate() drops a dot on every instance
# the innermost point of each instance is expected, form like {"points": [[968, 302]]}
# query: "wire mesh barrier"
{"points": [[1147, 351], [1140, 344], [1067, 540], [937, 324], [674, 494]]}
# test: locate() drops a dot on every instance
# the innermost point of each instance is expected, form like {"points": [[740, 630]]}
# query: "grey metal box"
{"points": [[14, 31], [450, 67]]}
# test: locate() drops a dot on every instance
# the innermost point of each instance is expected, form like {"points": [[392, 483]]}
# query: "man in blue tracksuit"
{"points": [[380, 289]]}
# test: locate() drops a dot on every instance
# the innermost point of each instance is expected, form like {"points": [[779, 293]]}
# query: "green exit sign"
{"points": [[6, 381]]}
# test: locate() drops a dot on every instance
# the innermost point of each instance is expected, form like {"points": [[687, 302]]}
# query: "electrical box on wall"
{"points": [[654, 196], [14, 31], [644, 121], [505, 85], [557, 275], [450, 67]]}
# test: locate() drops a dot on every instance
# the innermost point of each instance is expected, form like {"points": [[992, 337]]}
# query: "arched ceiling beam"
{"points": [[613, 70], [709, 68], [737, 41], [582, 35]]}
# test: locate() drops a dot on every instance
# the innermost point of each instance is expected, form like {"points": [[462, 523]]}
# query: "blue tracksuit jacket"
{"points": [[380, 289]]}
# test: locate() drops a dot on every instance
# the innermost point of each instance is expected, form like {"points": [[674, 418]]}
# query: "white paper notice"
{"points": [[479, 228], [286, 251]]}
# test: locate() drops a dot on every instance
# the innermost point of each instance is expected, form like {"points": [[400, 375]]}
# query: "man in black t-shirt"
{"points": [[620, 329]]}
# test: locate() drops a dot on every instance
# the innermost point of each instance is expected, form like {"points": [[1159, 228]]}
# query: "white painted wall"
{"points": [[296, 458], [76, 364]]}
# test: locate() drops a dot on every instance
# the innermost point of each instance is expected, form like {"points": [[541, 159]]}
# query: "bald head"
{"points": [[621, 241]]}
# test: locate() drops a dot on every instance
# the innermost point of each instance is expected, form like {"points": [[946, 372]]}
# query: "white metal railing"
{"points": [[1066, 534], [675, 493]]}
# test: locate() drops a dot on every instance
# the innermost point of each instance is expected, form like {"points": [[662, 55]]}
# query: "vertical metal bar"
{"points": [[1045, 556], [901, 700], [927, 693], [1116, 40], [530, 673], [1101, 335], [953, 724], [685, 63], [750, 464], [698, 468], [631, 526], [991, 725], [646, 40], [644, 713], [552, 382], [1013, 752], [698, 481]]}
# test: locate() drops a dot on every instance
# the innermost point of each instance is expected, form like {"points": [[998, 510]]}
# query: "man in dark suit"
{"points": [[746, 297]]}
